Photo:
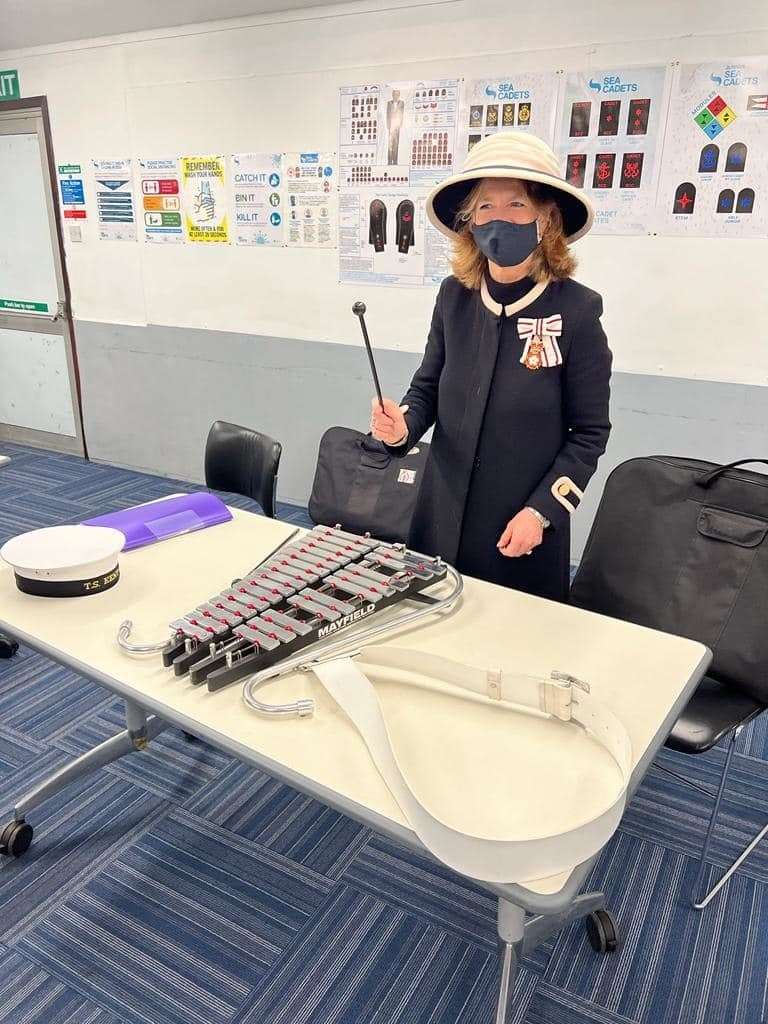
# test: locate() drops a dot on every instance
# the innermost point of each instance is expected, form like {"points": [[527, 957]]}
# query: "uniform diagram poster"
{"points": [[113, 184], [72, 187], [396, 140], [204, 198], [608, 139], [160, 186], [311, 199], [385, 238], [715, 175], [525, 102], [257, 201]]}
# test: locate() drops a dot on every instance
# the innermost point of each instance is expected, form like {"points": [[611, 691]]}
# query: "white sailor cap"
{"points": [[65, 561]]}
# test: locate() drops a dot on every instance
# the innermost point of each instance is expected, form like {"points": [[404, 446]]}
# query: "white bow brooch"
{"points": [[540, 337]]}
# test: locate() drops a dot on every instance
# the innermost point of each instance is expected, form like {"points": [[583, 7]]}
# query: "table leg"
{"points": [[16, 836], [539, 928], [511, 928], [518, 936]]}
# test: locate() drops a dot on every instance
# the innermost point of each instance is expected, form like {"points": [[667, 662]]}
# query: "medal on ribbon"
{"points": [[540, 336]]}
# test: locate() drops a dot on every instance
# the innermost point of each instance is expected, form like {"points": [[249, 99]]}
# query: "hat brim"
{"points": [[446, 198]]}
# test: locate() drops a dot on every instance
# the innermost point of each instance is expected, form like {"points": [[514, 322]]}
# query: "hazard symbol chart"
{"points": [[715, 168]]}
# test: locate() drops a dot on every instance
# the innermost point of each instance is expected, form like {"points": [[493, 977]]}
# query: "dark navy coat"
{"points": [[506, 433]]}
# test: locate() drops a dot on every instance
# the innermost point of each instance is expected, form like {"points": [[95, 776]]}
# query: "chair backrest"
{"points": [[243, 461], [681, 545]]}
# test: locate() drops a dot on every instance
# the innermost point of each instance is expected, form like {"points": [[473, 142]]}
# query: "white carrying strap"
{"points": [[483, 858]]}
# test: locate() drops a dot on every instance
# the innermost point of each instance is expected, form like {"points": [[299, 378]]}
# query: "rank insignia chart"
{"points": [[608, 138], [524, 102], [714, 174]]}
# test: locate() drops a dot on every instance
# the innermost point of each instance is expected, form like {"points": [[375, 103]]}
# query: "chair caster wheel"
{"points": [[7, 647], [15, 839], [602, 931]]}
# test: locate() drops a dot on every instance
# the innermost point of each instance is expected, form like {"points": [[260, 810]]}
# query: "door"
{"points": [[39, 391]]}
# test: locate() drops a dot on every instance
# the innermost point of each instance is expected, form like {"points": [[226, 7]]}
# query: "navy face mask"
{"points": [[506, 244]]}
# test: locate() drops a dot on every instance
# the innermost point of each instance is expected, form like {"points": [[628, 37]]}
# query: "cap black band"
{"points": [[68, 588]]}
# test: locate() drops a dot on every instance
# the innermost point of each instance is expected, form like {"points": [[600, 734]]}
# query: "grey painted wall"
{"points": [[151, 393]]}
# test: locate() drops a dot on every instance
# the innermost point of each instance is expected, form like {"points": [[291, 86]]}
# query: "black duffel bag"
{"points": [[680, 545], [360, 486]]}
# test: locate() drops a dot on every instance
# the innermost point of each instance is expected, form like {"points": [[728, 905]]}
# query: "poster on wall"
{"points": [[385, 238], [113, 184], [524, 102], [396, 141], [257, 201], [204, 198], [608, 139], [714, 180], [401, 133], [160, 186], [72, 190], [311, 199]]}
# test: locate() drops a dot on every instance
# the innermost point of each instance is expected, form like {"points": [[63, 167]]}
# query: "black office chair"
{"points": [[242, 461], [623, 574], [715, 711]]}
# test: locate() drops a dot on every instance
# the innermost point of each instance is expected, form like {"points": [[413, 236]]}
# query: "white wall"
{"points": [[271, 84]]}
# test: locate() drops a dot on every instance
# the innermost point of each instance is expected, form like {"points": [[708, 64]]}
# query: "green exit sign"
{"points": [[9, 85]]}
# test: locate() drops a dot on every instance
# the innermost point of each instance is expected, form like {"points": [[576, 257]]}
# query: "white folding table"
{"points": [[644, 677]]}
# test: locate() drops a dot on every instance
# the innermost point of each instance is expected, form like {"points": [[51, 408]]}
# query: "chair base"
{"points": [[732, 869], [696, 903]]}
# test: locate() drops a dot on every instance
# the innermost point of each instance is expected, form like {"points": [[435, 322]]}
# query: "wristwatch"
{"points": [[542, 519]]}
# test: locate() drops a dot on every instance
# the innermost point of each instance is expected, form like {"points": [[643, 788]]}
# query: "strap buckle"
{"points": [[556, 696]]}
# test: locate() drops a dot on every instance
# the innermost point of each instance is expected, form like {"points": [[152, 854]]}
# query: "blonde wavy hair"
{"points": [[552, 258]]}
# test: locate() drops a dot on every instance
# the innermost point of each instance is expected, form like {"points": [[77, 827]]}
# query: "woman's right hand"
{"points": [[388, 424]]}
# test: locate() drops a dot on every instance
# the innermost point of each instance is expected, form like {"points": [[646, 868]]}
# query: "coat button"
{"points": [[477, 463]]}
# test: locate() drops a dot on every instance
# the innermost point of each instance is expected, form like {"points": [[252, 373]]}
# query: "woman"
{"points": [[515, 376]]}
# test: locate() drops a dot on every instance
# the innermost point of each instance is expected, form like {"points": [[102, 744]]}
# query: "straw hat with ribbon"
{"points": [[510, 154]]}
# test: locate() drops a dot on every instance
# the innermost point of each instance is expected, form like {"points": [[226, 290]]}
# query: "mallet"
{"points": [[359, 310]]}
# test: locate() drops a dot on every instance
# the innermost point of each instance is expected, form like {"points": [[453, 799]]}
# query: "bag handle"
{"points": [[713, 474], [372, 452]]}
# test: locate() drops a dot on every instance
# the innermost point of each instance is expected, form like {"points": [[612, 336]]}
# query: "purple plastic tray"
{"points": [[164, 518]]}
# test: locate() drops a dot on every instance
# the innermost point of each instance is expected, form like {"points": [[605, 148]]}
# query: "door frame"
{"points": [[32, 106]]}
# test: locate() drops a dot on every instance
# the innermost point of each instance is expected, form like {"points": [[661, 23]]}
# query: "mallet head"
{"points": [[359, 309]]}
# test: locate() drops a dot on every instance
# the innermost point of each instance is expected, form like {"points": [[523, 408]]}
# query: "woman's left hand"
{"points": [[523, 533]]}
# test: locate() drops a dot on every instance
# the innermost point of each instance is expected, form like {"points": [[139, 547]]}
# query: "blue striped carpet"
{"points": [[179, 887]]}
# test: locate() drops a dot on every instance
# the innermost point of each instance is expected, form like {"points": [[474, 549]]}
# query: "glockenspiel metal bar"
{"points": [[260, 593], [287, 621], [230, 617], [378, 577], [335, 603], [349, 586], [314, 563], [368, 542], [344, 540], [250, 632], [308, 604], [294, 570], [272, 629], [326, 552], [190, 630], [275, 581], [399, 565]]}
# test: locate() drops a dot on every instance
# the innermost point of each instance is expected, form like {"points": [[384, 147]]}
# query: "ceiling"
{"points": [[26, 23]]}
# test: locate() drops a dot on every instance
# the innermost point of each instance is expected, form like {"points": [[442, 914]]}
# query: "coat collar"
{"points": [[514, 307]]}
